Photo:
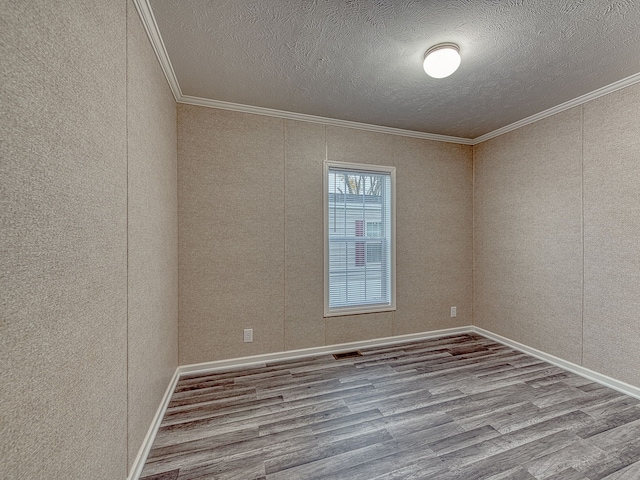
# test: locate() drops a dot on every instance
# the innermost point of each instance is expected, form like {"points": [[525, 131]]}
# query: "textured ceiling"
{"points": [[361, 60]]}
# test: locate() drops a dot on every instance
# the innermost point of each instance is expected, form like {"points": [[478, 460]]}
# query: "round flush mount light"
{"points": [[442, 60]]}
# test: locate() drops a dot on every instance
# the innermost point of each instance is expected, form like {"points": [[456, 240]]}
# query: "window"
{"points": [[374, 250], [359, 237]]}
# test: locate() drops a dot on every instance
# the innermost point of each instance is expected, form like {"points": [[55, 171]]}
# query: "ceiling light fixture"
{"points": [[442, 60]]}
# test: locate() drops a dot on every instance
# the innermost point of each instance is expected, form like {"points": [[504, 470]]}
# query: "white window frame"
{"points": [[359, 309]]}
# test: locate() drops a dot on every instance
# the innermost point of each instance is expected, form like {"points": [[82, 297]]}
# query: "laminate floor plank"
{"points": [[194, 430], [326, 450], [341, 461], [250, 371], [499, 400], [428, 462], [413, 402], [609, 465], [217, 406], [238, 470], [632, 472], [211, 441], [553, 411], [459, 407], [200, 397], [352, 424], [576, 454], [568, 474], [517, 473], [281, 425], [616, 438], [609, 422], [412, 471], [463, 439], [172, 475], [507, 459], [562, 394], [613, 405]]}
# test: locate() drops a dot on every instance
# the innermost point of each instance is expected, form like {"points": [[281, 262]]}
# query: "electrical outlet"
{"points": [[454, 312], [248, 335]]}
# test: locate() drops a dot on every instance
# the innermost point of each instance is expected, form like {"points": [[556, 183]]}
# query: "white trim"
{"points": [[145, 448], [600, 92], [303, 117], [208, 367], [313, 351], [151, 27], [358, 309], [622, 387], [605, 380], [325, 234]]}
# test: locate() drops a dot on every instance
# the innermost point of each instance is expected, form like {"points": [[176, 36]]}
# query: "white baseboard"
{"points": [[328, 349], [310, 352], [143, 453], [145, 448], [622, 387], [217, 365]]}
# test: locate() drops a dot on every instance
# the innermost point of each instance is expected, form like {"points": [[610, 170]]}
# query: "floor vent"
{"points": [[340, 356]]}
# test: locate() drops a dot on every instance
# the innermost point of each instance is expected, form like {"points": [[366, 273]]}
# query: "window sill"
{"points": [[345, 311]]}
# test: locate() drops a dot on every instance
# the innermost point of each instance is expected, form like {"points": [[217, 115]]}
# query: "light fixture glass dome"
{"points": [[442, 60]]}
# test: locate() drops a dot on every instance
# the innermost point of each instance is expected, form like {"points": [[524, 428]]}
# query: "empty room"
{"points": [[338, 239]]}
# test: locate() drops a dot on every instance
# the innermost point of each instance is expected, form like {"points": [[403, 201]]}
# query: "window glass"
{"points": [[359, 238]]}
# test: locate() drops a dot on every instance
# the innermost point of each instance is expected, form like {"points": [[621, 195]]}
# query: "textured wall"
{"points": [[250, 233], [88, 206], [231, 233], [152, 232], [434, 228], [528, 238], [612, 234], [63, 235], [536, 191]]}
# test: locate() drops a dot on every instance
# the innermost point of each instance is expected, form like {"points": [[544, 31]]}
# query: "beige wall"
{"points": [[90, 247], [557, 210], [64, 241], [67, 408], [612, 235], [528, 238], [152, 233], [250, 233]]}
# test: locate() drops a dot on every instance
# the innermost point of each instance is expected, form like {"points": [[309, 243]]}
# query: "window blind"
{"points": [[359, 237]]}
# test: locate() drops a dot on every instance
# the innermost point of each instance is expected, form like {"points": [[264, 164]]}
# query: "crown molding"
{"points": [[148, 20], [587, 97], [303, 117], [151, 27]]}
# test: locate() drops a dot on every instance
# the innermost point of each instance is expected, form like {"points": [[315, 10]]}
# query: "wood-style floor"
{"points": [[461, 407]]}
